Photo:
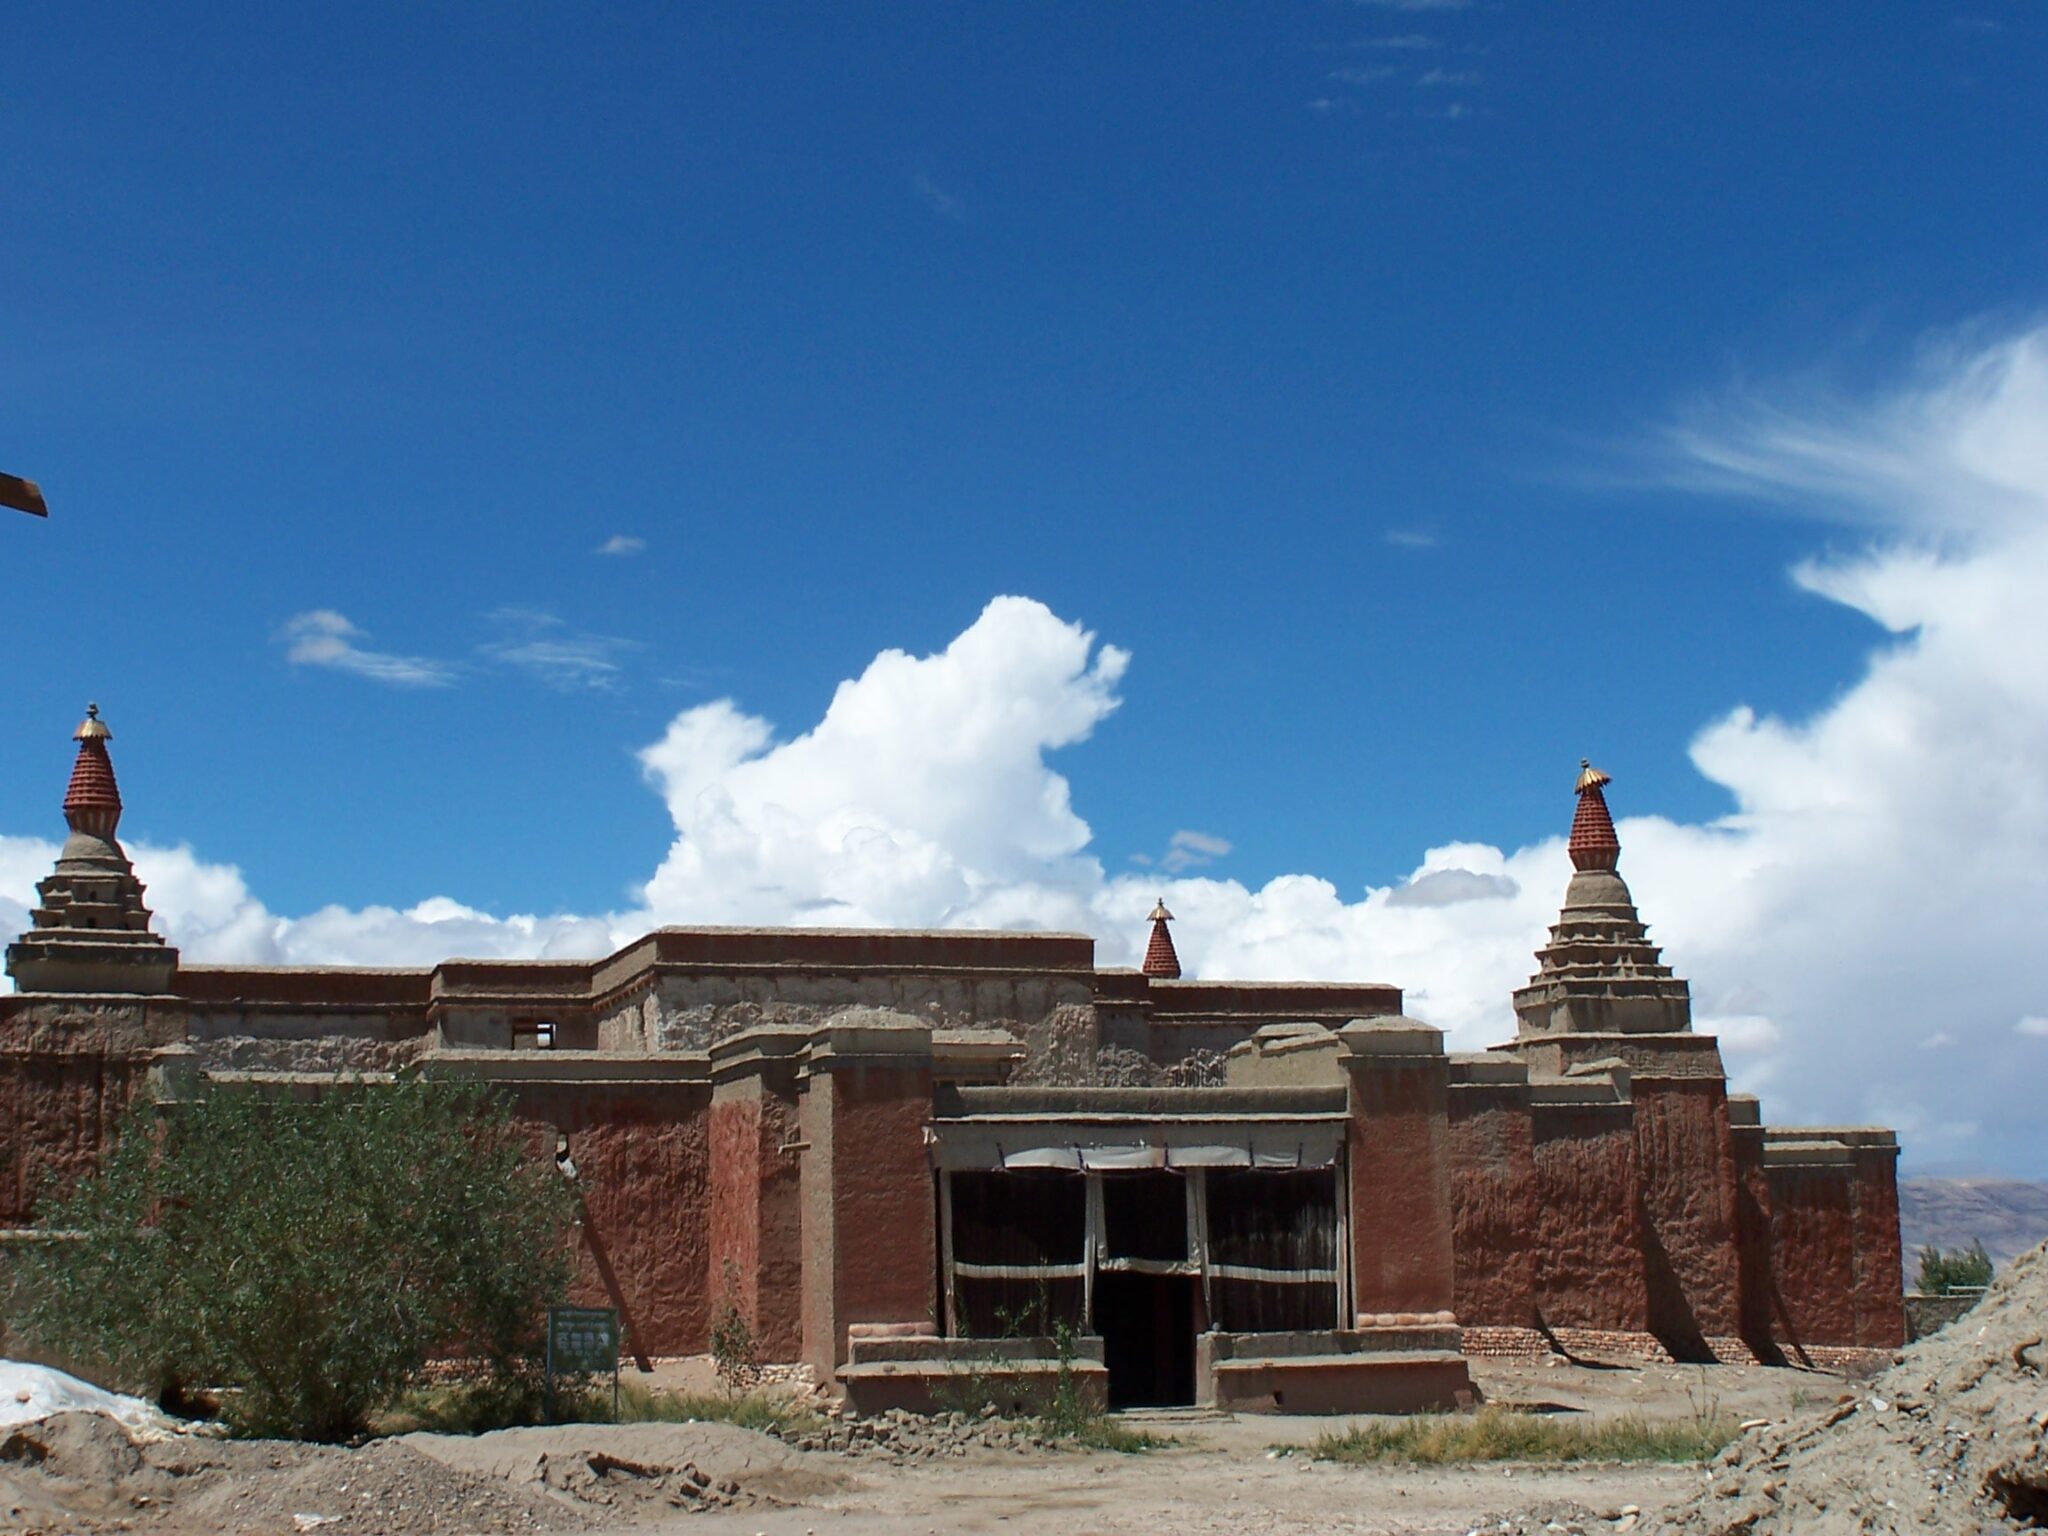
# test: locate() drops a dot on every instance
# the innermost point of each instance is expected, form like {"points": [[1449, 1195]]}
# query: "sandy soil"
{"points": [[1223, 1474]]}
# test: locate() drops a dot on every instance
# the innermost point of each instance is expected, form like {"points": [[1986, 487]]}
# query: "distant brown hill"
{"points": [[2008, 1216]]}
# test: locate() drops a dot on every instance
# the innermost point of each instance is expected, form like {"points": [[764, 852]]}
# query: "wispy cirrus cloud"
{"points": [[936, 198], [1407, 42], [1409, 538], [555, 652], [1414, 5], [1370, 74], [621, 544], [321, 637], [1188, 849]]}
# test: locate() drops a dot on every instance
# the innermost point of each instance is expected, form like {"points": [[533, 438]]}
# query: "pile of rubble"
{"points": [[84, 1472], [901, 1436], [599, 1477], [1952, 1439]]}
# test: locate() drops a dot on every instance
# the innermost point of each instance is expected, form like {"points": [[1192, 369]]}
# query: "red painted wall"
{"points": [[1493, 1193], [1400, 1175], [756, 1217], [1759, 1300], [66, 1081], [1585, 1221], [1813, 1246], [870, 1240], [1685, 1163], [1880, 1299], [642, 1162]]}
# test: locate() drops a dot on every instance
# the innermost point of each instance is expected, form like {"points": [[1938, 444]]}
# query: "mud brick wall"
{"points": [[869, 1203], [756, 1214], [1880, 1298], [1813, 1247], [1400, 1176], [1494, 1194], [1685, 1161], [1585, 1218], [69, 1069], [1761, 1304], [643, 1170]]}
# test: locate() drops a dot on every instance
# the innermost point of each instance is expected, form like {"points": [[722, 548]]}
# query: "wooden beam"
{"points": [[23, 496]]}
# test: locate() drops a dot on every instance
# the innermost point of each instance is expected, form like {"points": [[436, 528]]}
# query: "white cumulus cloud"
{"points": [[1881, 885]]}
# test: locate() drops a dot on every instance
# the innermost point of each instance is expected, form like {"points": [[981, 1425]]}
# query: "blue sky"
{"points": [[1346, 364]]}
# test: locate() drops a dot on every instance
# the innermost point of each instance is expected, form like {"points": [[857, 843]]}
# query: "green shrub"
{"points": [[735, 1351], [307, 1255], [1960, 1269]]}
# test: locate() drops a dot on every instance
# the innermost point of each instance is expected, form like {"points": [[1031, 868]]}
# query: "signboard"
{"points": [[583, 1341]]}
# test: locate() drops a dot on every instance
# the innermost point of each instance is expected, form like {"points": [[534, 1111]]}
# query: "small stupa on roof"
{"points": [[89, 931], [1160, 959], [1600, 974]]}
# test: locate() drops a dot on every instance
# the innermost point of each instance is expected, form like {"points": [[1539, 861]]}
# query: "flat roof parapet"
{"points": [[1590, 1089], [1273, 1000], [337, 986], [1808, 1154], [1391, 1035], [866, 948], [623, 1068], [1846, 1135], [539, 981], [1156, 1103], [1471, 1067]]}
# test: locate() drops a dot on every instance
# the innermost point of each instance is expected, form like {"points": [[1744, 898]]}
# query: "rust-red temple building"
{"points": [[908, 1156]]}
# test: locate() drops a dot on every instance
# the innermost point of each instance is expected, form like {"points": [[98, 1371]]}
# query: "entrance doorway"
{"points": [[1147, 1323]]}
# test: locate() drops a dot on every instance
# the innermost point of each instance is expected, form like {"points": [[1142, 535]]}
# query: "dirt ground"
{"points": [[1224, 1473]]}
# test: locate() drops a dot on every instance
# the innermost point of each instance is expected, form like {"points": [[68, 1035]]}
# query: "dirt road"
{"points": [[1221, 1474]]}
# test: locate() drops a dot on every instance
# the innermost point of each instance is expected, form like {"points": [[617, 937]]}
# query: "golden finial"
{"points": [[1590, 777], [92, 727], [1159, 913]]}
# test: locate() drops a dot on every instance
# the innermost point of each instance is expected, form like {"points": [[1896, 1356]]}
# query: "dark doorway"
{"points": [[1147, 1323]]}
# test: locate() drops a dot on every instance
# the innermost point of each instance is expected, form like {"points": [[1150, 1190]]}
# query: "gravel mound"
{"points": [[1952, 1439], [82, 1472], [647, 1469], [898, 1436]]}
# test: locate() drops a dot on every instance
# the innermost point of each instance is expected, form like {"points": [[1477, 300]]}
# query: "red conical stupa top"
{"points": [[93, 802], [1160, 960], [1593, 844]]}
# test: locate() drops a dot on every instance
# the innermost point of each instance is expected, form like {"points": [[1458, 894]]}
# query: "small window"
{"points": [[533, 1035]]}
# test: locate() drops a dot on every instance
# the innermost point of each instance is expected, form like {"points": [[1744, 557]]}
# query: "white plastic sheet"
{"points": [[29, 1392]]}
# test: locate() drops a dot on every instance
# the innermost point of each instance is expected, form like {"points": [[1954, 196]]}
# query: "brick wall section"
{"points": [[1813, 1243], [1759, 1297], [870, 1238], [1400, 1175], [1493, 1193], [756, 1212], [69, 1069], [1585, 1220], [1686, 1164], [1880, 1299], [642, 1158]]}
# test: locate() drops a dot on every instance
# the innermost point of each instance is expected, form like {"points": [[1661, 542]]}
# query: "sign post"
{"points": [[583, 1341]]}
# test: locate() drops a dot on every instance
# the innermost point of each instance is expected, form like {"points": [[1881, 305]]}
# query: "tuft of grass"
{"points": [[771, 1413], [1103, 1433], [458, 1407], [1500, 1434]]}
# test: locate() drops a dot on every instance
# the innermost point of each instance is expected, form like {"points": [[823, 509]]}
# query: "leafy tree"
{"points": [[309, 1253], [1960, 1269]]}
